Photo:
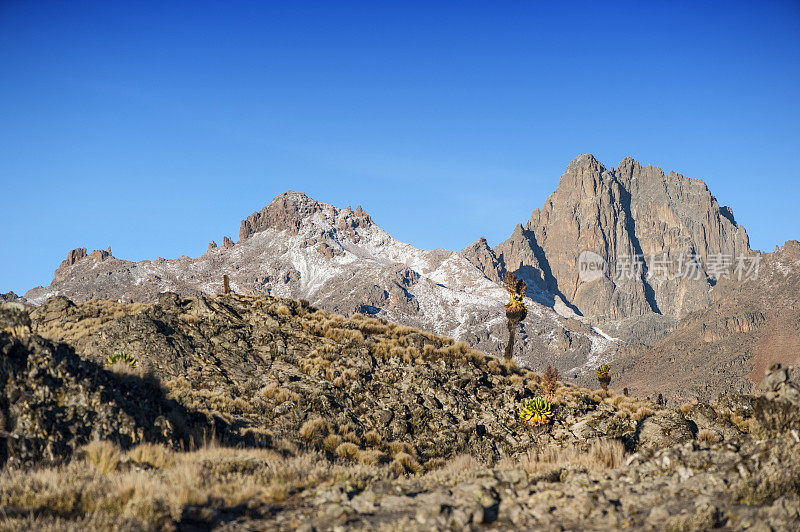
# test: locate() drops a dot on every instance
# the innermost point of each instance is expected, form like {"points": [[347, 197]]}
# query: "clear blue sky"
{"points": [[155, 127]]}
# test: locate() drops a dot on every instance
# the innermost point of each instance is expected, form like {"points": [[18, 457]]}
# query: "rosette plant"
{"points": [[536, 411], [121, 356], [604, 375]]}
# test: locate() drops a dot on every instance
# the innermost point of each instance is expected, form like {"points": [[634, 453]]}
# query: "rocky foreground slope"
{"points": [[265, 413]]}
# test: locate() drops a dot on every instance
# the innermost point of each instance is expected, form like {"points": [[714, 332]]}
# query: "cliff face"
{"points": [[619, 214]]}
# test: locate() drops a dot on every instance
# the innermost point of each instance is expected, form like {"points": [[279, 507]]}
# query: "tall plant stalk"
{"points": [[515, 308]]}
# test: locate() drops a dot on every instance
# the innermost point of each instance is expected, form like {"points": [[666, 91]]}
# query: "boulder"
{"points": [[663, 429]]}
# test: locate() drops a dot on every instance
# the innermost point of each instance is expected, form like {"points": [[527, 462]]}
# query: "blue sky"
{"points": [[155, 127]]}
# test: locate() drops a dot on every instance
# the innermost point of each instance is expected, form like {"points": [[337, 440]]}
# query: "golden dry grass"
{"points": [[90, 317], [282, 310], [104, 485], [455, 469], [102, 455], [331, 442], [152, 455], [315, 428], [347, 450], [642, 413], [601, 456], [404, 463]]}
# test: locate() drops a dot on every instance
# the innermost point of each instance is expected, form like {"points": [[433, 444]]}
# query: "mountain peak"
{"points": [[291, 210], [79, 254], [584, 161]]}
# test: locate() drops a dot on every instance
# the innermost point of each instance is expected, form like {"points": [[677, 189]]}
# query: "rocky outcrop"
{"points": [[72, 257], [483, 258], [778, 385], [52, 401], [663, 430], [63, 272], [10, 297]]}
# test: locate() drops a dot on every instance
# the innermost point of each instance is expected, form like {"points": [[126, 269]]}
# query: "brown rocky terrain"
{"points": [[728, 345], [254, 412]]}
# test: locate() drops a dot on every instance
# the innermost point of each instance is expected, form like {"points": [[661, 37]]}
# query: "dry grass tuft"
{"points": [[397, 447], [279, 394], [331, 442], [373, 437], [371, 457], [462, 463], [403, 464], [103, 455], [708, 436], [314, 429], [347, 450], [601, 456], [606, 454], [153, 455]]}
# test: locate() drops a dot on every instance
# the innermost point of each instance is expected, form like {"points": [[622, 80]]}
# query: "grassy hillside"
{"points": [[275, 415]]}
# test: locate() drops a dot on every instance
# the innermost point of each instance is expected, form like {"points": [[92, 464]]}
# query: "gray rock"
{"points": [[705, 417], [663, 429]]}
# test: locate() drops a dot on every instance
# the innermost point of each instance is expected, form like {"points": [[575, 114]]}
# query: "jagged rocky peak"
{"points": [[289, 211], [620, 214], [79, 254], [482, 257]]}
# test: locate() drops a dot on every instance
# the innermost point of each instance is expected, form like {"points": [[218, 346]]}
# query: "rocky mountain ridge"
{"points": [[619, 214], [340, 260]]}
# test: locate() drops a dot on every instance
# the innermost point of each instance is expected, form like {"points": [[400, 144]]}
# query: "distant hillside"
{"points": [[727, 346]]}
